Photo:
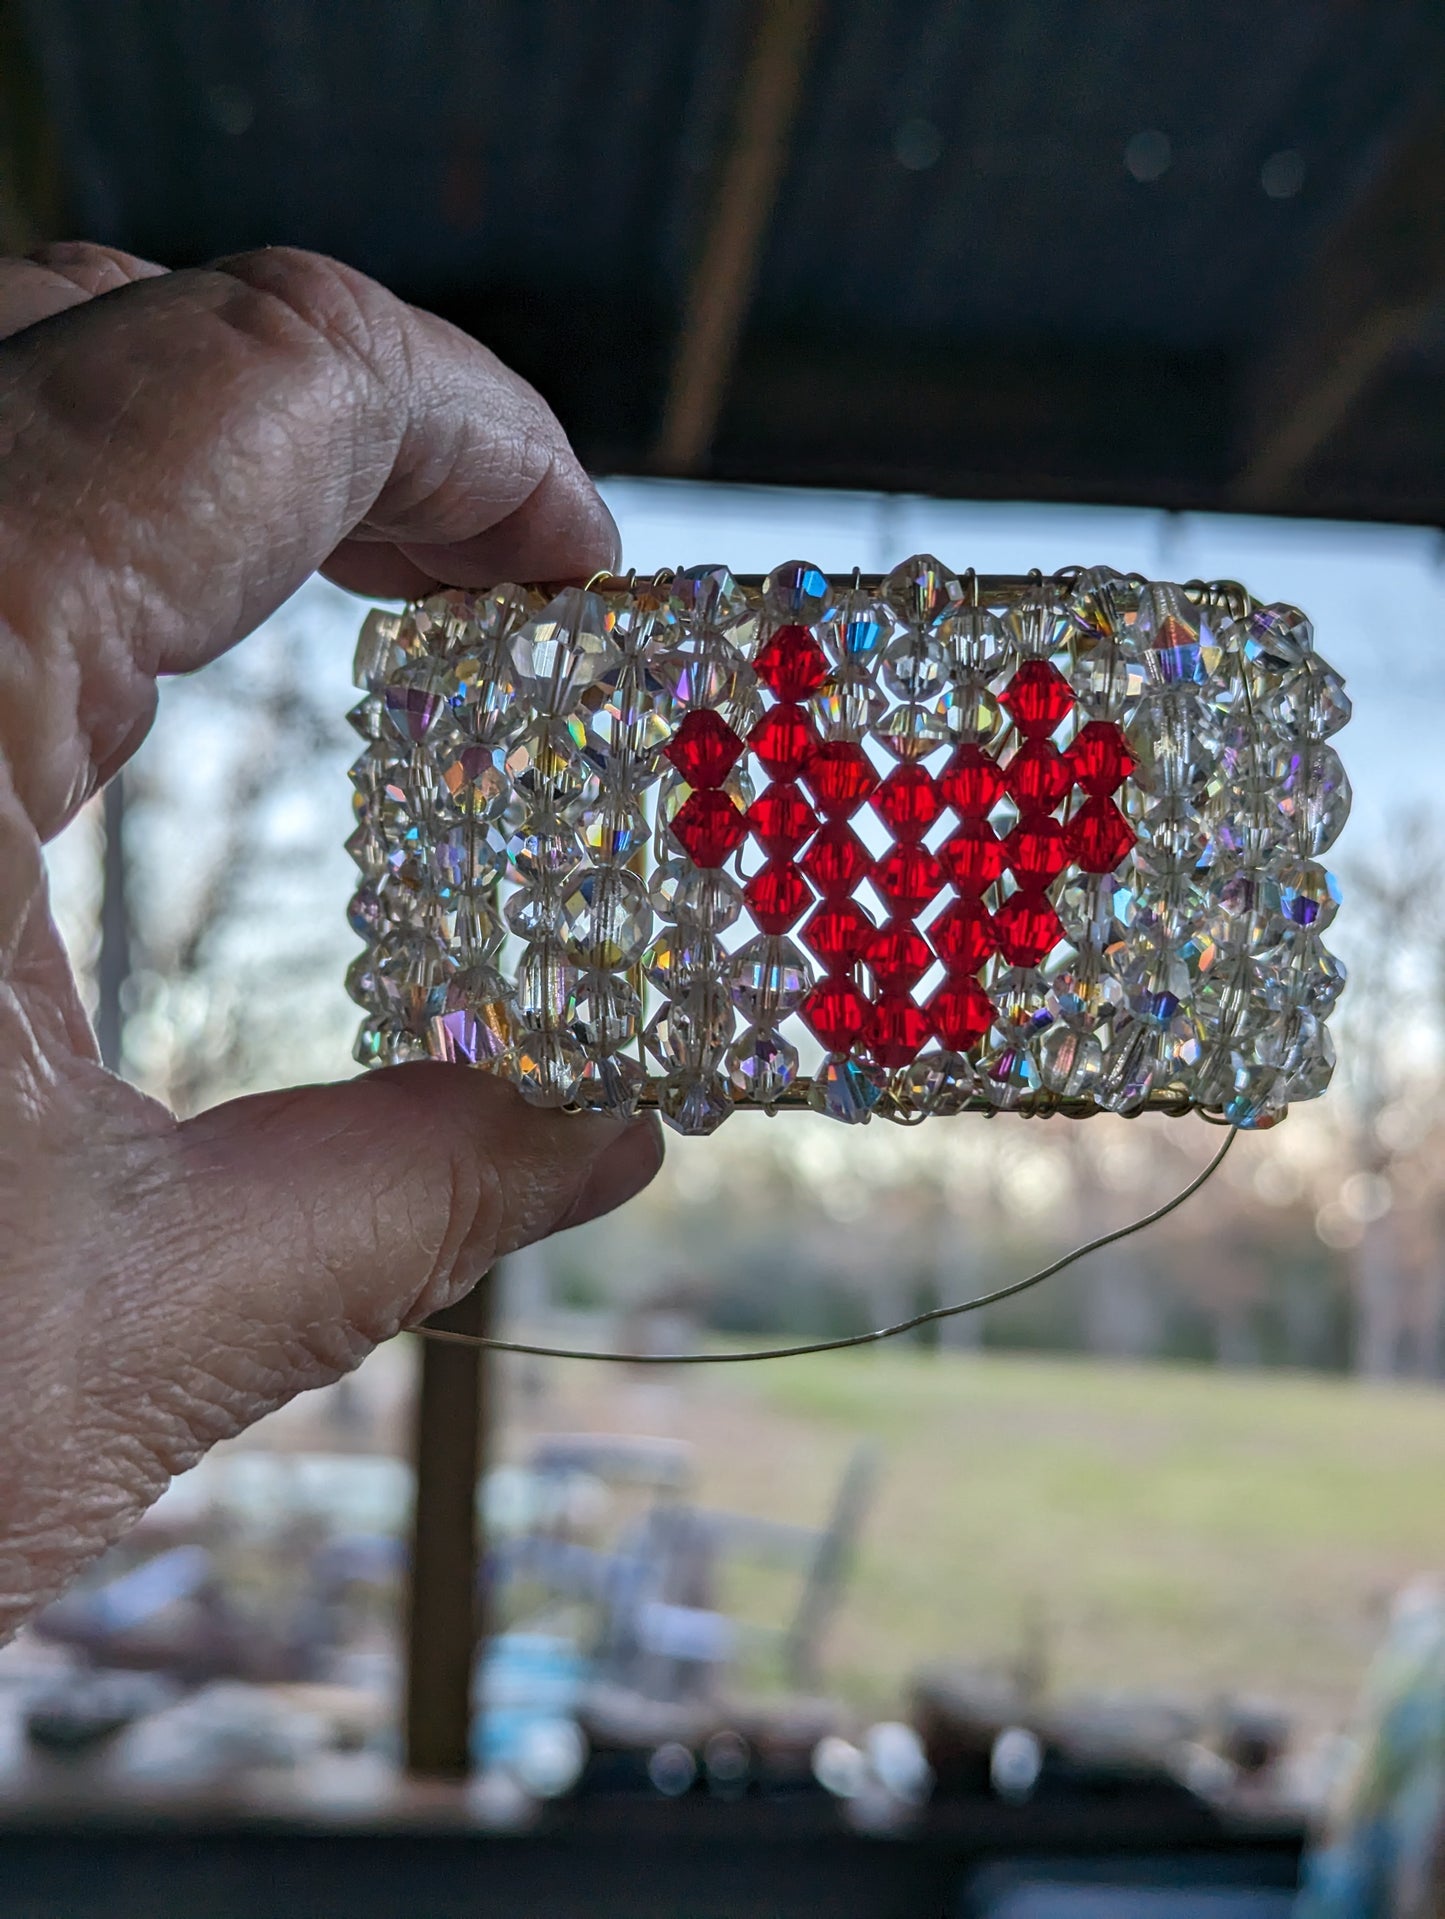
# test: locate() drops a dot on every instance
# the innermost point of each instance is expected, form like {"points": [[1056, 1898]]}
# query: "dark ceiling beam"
{"points": [[1375, 284], [751, 173]]}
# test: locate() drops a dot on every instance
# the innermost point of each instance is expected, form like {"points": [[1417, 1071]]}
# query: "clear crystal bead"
{"points": [[1108, 681], [471, 857], [1274, 639], [413, 972], [916, 667], [626, 718], [859, 631], [1020, 995], [693, 1031], [361, 984], [606, 1012], [679, 956], [1071, 1061], [1175, 735], [1101, 603], [1312, 792], [1309, 977], [1009, 1076], [913, 732], [613, 1083], [1312, 701], [546, 986], [762, 1065], [1230, 1001], [770, 978], [707, 670], [363, 913], [935, 1083], [1309, 897], [970, 713], [849, 705], [708, 597], [476, 1025], [386, 641], [566, 647], [1038, 626], [606, 918], [414, 707], [1131, 1066], [475, 782], [612, 830], [367, 717], [1176, 638], [847, 1089], [923, 592], [977, 643], [1245, 911], [694, 1104], [537, 854], [547, 1065], [798, 594], [706, 897]]}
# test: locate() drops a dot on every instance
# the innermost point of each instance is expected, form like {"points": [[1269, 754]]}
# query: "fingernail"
{"points": [[616, 538], [622, 1170]]}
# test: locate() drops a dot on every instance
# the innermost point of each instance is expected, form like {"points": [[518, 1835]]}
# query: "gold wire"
{"points": [[535, 1351]]}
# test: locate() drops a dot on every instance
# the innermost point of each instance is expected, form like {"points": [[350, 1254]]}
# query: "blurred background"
{"points": [[1074, 1601]]}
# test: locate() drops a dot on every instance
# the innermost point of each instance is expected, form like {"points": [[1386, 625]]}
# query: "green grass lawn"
{"points": [[1155, 1527]]}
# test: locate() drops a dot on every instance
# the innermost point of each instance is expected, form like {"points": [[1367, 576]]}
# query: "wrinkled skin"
{"points": [[178, 452]]}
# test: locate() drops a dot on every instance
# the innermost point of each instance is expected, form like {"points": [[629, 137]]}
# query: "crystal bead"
{"points": [[363, 913], [848, 707], [1274, 639], [839, 933], [612, 1083], [1255, 1101], [1310, 978], [1099, 837], [1312, 1063], [547, 1066], [361, 982], [961, 1013], [414, 705], [762, 1065], [1027, 928], [923, 592], [897, 1029], [707, 899], [1071, 1061], [1108, 682], [908, 877], [1312, 701], [1245, 911], [972, 782], [770, 978], [1038, 625], [973, 857], [694, 1104], [708, 598], [693, 1031], [936, 1083], [1038, 777], [476, 782], [1176, 637], [860, 629], [386, 641], [533, 911], [1097, 909], [912, 732], [1312, 792], [606, 918], [837, 861], [781, 820], [1038, 699], [1020, 1000], [1084, 994], [798, 591], [704, 749], [792, 664], [784, 740], [709, 828], [626, 720], [1101, 602], [1037, 850], [1308, 895], [471, 857], [566, 647], [908, 801], [976, 643], [369, 850], [836, 1012], [546, 986], [1131, 1066], [970, 714], [679, 956], [371, 1041], [840, 778], [915, 668], [1170, 842], [412, 976], [393, 1046], [606, 1012], [847, 1089], [1178, 740], [963, 936], [1009, 1077], [898, 955], [777, 896], [367, 717], [476, 1025], [612, 831], [1100, 758]]}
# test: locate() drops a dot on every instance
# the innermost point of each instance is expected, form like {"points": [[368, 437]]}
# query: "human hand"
{"points": [[180, 451]]}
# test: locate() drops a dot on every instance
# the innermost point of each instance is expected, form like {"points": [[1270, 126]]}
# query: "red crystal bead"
{"points": [[840, 777], [972, 782], [837, 861], [898, 955], [777, 896], [907, 802], [961, 1013], [1038, 697], [973, 858], [1037, 850], [908, 877], [1027, 928], [708, 827], [963, 936], [780, 819], [839, 933], [704, 749], [1100, 758], [1038, 776], [897, 1030], [784, 739], [837, 1012], [1099, 837], [792, 663]]}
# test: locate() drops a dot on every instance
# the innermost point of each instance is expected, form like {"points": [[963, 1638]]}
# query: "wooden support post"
{"points": [[444, 1622]]}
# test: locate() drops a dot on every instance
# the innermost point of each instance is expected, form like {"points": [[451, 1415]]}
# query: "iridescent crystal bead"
{"points": [[915, 667], [606, 918], [1308, 976], [612, 1083], [413, 971], [1020, 996], [1312, 792], [849, 705], [1136, 1053], [1274, 639], [1309, 897], [1008, 1076], [475, 782], [367, 717], [361, 982], [612, 830], [363, 912], [859, 630], [1071, 1061], [471, 856], [1101, 602], [935, 1083], [769, 979], [1175, 638], [476, 1024], [1311, 700], [847, 1089], [546, 986], [693, 1030], [606, 1012], [912, 732], [547, 766], [1245, 910], [922, 591], [547, 1065], [626, 719], [414, 705], [976, 642], [798, 593], [708, 598], [1084, 993], [762, 1065], [1255, 1100], [681, 954], [534, 910], [971, 714], [706, 672], [694, 1104]]}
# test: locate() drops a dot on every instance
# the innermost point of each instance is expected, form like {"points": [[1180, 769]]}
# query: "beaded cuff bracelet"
{"points": [[917, 845]]}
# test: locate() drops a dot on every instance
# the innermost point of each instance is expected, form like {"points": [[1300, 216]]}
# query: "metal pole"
{"points": [[444, 1620]]}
